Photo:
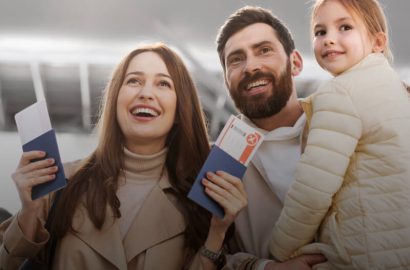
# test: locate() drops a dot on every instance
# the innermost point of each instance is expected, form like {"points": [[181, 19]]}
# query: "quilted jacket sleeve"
{"points": [[334, 133]]}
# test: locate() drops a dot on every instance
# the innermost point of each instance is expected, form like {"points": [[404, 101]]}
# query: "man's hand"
{"points": [[303, 262]]}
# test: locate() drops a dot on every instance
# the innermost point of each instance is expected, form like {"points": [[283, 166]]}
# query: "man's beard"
{"points": [[262, 106]]}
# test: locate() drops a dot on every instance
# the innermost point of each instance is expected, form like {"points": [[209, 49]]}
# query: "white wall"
{"points": [[72, 147]]}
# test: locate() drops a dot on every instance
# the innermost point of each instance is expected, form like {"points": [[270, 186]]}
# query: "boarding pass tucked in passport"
{"points": [[232, 152], [239, 140], [34, 127]]}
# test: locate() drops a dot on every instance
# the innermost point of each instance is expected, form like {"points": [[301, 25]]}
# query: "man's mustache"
{"points": [[254, 77]]}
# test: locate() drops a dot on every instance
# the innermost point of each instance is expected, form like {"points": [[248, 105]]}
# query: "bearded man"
{"points": [[259, 60]]}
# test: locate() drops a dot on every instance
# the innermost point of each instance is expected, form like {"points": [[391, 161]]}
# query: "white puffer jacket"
{"points": [[352, 185]]}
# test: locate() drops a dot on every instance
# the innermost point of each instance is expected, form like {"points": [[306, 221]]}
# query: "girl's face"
{"points": [[340, 40], [146, 104]]}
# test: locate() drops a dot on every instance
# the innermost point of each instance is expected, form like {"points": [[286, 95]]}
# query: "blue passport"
{"points": [[47, 142], [216, 160], [36, 134], [232, 152]]}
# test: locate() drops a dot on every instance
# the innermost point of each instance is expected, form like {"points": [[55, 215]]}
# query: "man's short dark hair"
{"points": [[246, 16]]}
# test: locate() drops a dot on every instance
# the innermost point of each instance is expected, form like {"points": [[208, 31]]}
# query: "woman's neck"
{"points": [[145, 148], [137, 165]]}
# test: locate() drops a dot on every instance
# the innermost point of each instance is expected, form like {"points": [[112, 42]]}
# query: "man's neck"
{"points": [[287, 117]]}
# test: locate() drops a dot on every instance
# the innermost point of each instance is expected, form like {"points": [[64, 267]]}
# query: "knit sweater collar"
{"points": [[149, 166]]}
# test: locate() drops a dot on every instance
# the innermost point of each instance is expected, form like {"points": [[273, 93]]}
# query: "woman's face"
{"points": [[146, 104]]}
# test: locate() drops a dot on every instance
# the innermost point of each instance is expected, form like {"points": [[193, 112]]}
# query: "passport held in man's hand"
{"points": [[232, 152]]}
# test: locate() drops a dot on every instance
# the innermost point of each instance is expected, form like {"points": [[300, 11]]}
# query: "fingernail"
{"points": [[51, 160], [209, 174]]}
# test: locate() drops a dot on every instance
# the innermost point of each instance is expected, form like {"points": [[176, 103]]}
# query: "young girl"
{"points": [[353, 182]]}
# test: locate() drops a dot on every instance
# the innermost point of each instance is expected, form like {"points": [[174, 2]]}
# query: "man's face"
{"points": [[258, 71]]}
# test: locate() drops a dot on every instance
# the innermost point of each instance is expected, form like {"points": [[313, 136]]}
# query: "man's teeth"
{"points": [[256, 84], [144, 111]]}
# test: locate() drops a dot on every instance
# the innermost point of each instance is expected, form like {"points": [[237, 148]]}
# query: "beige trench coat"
{"points": [[155, 240]]}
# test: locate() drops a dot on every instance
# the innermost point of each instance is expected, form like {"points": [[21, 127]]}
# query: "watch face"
{"points": [[213, 256], [217, 258]]}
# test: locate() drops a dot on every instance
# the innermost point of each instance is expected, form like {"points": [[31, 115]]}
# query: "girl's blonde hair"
{"points": [[369, 11]]}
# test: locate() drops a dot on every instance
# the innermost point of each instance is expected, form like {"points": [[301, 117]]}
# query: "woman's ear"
{"points": [[296, 63], [380, 42]]}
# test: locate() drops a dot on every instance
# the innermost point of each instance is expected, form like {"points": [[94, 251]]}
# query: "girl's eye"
{"points": [[319, 33], [165, 84], [345, 27]]}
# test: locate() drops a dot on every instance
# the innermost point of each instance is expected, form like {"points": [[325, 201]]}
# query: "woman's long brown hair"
{"points": [[407, 87], [96, 179]]}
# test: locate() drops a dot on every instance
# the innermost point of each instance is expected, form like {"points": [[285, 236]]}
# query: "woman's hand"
{"points": [[228, 191], [27, 175]]}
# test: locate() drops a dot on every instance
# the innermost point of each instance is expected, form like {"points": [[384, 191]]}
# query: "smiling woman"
{"points": [[146, 103], [125, 206]]}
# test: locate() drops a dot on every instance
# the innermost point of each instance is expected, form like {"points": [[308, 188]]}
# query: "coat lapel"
{"points": [[107, 241], [157, 221], [257, 163], [259, 167]]}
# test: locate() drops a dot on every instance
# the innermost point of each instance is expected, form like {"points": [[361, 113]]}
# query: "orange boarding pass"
{"points": [[239, 140]]}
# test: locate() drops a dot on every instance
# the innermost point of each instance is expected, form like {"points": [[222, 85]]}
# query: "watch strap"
{"points": [[218, 258]]}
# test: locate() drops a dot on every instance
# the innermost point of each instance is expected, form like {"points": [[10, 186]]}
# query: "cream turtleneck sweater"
{"points": [[142, 173]]}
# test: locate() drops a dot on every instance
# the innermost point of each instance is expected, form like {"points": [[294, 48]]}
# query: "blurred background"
{"points": [[64, 51]]}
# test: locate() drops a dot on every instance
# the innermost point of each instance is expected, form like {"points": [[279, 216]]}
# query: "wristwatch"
{"points": [[218, 258]]}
